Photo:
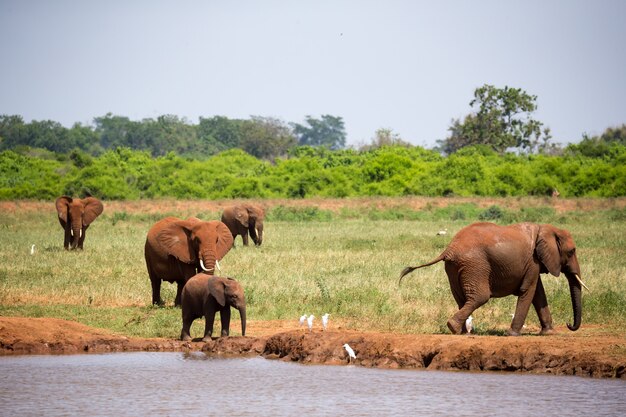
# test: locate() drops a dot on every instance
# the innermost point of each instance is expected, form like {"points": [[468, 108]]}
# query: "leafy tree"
{"points": [[328, 131], [12, 130], [598, 146], [84, 138], [385, 137], [266, 137], [219, 133], [615, 135], [115, 131], [502, 120]]}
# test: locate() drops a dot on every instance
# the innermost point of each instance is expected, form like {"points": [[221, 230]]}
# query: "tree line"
{"points": [[393, 170], [262, 137], [500, 119]]}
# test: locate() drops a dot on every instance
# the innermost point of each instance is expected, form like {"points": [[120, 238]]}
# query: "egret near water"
{"points": [[302, 320], [468, 324], [351, 354], [325, 321], [309, 321]]}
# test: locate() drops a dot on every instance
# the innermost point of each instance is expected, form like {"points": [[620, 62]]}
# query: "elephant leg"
{"points": [[179, 291], [156, 291], [66, 239], [244, 236], [185, 333], [540, 302], [225, 319], [208, 325], [527, 294], [456, 323], [467, 298], [81, 239]]}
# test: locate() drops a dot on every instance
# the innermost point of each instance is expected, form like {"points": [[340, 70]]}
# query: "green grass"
{"points": [[312, 261]]}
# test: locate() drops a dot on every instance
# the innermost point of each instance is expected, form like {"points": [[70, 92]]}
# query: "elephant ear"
{"points": [[548, 249], [93, 208], [241, 213], [174, 238], [224, 239], [256, 213], [216, 289], [62, 203]]}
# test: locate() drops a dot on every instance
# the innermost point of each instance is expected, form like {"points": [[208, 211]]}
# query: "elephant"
{"points": [[75, 216], [177, 249], [204, 295], [242, 219], [486, 260]]}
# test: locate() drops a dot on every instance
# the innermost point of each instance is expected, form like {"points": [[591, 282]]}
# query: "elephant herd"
{"points": [[183, 251], [482, 261]]}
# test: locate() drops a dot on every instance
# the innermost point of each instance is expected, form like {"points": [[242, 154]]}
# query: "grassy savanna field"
{"points": [[341, 256]]}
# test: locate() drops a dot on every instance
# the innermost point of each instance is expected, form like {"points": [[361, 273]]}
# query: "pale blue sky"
{"points": [[410, 66]]}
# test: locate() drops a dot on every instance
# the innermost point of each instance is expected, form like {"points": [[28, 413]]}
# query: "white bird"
{"points": [[325, 320], [310, 322], [302, 320], [442, 232], [351, 354], [32, 249], [468, 324]]}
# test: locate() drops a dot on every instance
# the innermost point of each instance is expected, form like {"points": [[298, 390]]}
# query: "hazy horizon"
{"points": [[409, 66]]}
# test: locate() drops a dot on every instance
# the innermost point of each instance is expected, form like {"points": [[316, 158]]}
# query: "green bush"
{"points": [[125, 174]]}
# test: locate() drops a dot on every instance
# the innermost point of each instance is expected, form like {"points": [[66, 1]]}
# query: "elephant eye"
{"points": [[571, 252]]}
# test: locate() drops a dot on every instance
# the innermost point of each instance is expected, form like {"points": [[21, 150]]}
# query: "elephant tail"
{"points": [[410, 269]]}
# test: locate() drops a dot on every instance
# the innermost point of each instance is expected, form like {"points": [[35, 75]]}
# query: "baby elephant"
{"points": [[205, 294]]}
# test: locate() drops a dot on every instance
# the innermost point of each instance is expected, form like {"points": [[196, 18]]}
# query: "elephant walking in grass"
{"points": [[244, 219], [204, 295], [485, 260], [176, 250], [75, 215]]}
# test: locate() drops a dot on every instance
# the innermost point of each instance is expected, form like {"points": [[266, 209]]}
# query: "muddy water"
{"points": [[160, 384]]}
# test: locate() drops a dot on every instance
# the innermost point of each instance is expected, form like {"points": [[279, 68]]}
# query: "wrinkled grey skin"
{"points": [[75, 215], [245, 219], [485, 260], [203, 296], [176, 249]]}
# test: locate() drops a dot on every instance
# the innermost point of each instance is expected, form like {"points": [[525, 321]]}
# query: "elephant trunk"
{"points": [[242, 314], [207, 261], [575, 290], [76, 231], [259, 235]]}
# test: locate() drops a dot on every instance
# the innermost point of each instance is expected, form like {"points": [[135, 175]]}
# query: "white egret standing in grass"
{"points": [[325, 320], [302, 320], [442, 232], [351, 354], [32, 249], [310, 322], [468, 324]]}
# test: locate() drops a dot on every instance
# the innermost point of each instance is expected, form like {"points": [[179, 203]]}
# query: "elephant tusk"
{"points": [[204, 267], [80, 233], [217, 264], [72, 232], [581, 282]]}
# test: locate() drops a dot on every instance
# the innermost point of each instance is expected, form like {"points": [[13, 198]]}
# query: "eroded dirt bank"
{"points": [[600, 356]]}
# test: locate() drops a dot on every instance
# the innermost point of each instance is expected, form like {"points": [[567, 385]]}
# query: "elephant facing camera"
{"points": [[75, 215], [203, 296], [177, 249], [244, 220]]}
